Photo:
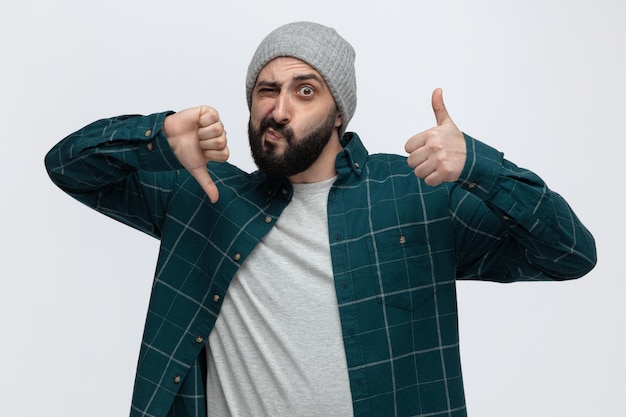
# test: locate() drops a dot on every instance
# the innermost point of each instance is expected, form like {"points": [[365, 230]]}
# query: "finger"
{"points": [[206, 182], [429, 173], [433, 179], [208, 116], [221, 155], [441, 113], [421, 163], [417, 157], [415, 142], [214, 145], [212, 131]]}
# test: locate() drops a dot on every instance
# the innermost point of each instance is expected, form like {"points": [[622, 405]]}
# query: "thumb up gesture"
{"points": [[438, 154], [196, 137]]}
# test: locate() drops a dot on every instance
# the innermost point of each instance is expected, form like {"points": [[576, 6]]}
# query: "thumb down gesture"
{"points": [[438, 154], [197, 136]]}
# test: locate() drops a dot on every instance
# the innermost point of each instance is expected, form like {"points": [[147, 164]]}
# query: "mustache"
{"points": [[271, 123]]}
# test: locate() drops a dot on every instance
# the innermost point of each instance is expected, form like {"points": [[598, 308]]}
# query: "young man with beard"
{"points": [[322, 284]]}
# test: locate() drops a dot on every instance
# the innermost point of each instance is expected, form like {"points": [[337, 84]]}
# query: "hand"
{"points": [[196, 137], [438, 154]]}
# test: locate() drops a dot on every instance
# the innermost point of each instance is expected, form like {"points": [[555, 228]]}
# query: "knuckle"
{"points": [[435, 145], [441, 159], [209, 110], [419, 171], [431, 135], [209, 115], [220, 142]]}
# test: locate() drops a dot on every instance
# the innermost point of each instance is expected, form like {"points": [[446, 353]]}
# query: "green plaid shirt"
{"points": [[397, 248]]}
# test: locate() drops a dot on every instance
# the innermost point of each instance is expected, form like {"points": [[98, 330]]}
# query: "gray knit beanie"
{"points": [[322, 48]]}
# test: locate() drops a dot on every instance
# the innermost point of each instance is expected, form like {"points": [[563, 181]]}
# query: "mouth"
{"points": [[272, 136]]}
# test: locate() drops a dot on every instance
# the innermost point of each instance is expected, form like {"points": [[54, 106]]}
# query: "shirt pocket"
{"points": [[402, 267]]}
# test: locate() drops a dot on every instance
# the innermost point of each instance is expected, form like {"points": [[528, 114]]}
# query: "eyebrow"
{"points": [[310, 76], [303, 77], [272, 84]]}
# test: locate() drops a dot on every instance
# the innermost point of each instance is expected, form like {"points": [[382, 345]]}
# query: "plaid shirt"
{"points": [[397, 248]]}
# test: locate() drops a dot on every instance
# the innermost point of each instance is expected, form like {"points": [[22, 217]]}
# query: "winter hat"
{"points": [[322, 48]]}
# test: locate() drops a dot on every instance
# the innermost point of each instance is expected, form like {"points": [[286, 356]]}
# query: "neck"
{"points": [[324, 167]]}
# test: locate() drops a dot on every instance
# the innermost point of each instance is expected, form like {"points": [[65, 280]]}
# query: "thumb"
{"points": [[206, 182], [441, 113]]}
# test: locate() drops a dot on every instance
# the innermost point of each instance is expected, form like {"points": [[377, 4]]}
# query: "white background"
{"points": [[541, 80]]}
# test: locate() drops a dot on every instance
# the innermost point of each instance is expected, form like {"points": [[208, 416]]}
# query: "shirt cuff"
{"points": [[482, 167], [154, 151]]}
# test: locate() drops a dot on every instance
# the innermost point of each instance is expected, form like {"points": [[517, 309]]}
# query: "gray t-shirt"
{"points": [[276, 348]]}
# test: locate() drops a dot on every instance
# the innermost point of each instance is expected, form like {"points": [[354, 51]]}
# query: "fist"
{"points": [[438, 154], [196, 137]]}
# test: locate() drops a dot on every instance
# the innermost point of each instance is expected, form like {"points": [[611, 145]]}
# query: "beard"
{"points": [[299, 154]]}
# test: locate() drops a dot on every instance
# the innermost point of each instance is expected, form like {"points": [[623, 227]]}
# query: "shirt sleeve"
{"points": [[511, 226], [122, 167]]}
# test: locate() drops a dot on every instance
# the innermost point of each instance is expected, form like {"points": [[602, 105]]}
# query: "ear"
{"points": [[338, 120]]}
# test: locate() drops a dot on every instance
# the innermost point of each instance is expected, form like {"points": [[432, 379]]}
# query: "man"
{"points": [[324, 283]]}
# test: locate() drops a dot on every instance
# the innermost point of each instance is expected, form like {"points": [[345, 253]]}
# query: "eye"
{"points": [[266, 91], [306, 91]]}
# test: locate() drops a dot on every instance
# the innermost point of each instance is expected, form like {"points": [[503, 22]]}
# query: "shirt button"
{"points": [[150, 147], [472, 185], [216, 299], [402, 239], [148, 132], [506, 218], [177, 379], [199, 339], [268, 219], [284, 191], [237, 256], [357, 166]]}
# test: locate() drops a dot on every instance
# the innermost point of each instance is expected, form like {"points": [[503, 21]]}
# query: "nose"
{"points": [[282, 108]]}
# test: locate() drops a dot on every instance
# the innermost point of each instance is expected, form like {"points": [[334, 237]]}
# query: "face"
{"points": [[292, 119]]}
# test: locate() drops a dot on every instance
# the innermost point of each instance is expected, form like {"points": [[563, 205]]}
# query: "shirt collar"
{"points": [[353, 156], [271, 186]]}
